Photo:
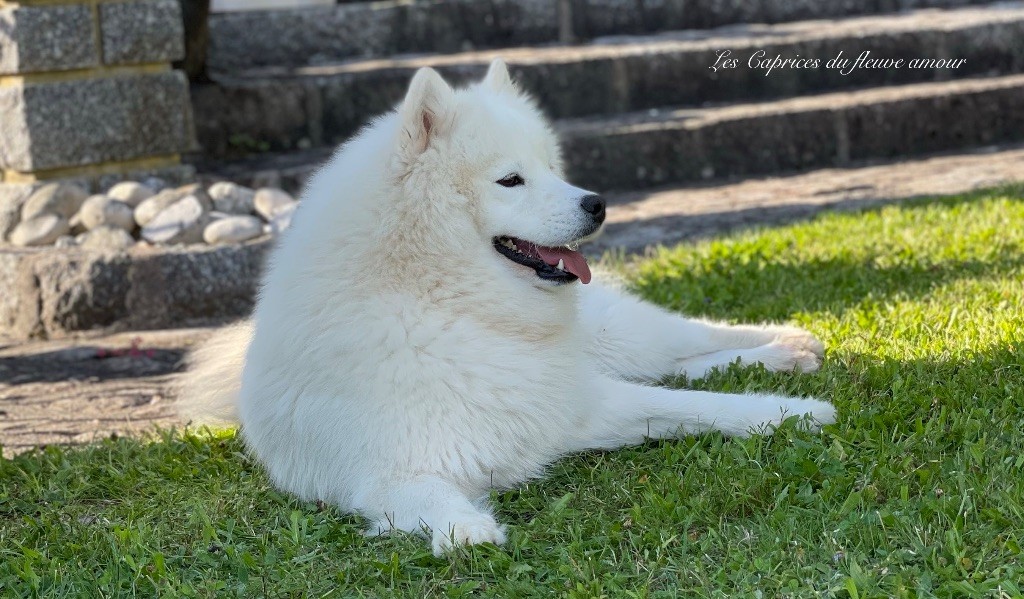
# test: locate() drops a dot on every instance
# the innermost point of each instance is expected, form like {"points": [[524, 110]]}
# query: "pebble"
{"points": [[130, 193], [270, 201], [101, 210], [149, 208], [181, 222], [12, 198], [233, 229], [145, 211], [63, 199], [232, 198], [107, 238], [42, 229], [282, 219]]}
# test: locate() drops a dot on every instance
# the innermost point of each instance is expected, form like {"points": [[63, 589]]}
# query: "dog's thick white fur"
{"points": [[400, 366]]}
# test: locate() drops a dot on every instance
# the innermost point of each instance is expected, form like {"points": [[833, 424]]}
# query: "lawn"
{"points": [[918, 490]]}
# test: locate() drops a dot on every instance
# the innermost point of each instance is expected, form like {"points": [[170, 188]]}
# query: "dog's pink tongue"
{"points": [[574, 262]]}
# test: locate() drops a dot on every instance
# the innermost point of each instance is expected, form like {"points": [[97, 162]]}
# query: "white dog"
{"points": [[421, 336]]}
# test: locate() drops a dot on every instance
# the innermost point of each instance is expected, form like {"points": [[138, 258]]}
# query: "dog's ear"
{"points": [[426, 110], [498, 79]]}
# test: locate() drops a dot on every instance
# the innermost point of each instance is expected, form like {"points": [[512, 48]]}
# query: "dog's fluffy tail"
{"points": [[208, 390]]}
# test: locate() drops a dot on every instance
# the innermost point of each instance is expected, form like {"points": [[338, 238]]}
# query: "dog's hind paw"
{"points": [[483, 529]]}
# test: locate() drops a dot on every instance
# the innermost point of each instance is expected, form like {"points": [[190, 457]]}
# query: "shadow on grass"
{"points": [[745, 285], [779, 290]]}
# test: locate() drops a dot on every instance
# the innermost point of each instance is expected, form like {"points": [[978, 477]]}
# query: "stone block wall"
{"points": [[87, 91]]}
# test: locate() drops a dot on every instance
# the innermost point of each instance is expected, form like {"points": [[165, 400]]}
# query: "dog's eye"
{"points": [[511, 180]]}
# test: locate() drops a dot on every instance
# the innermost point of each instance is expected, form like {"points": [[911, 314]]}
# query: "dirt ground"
{"points": [[76, 390], [80, 389]]}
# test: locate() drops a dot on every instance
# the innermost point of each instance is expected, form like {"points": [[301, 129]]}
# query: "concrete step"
{"points": [[284, 108], [376, 29], [643, 150]]}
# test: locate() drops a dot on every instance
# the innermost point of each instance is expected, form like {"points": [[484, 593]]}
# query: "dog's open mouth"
{"points": [[556, 264]]}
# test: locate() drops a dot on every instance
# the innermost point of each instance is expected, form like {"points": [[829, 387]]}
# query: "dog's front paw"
{"points": [[470, 531], [814, 412], [792, 349], [772, 411]]}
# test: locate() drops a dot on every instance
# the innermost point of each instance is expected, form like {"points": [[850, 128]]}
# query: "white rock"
{"points": [[149, 208], [270, 201], [99, 210], [63, 199], [42, 229], [282, 219], [130, 193], [107, 238], [231, 198], [181, 222], [12, 198], [145, 211], [233, 229], [77, 227]]}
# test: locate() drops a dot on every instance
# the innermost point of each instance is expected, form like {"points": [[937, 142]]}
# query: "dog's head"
{"points": [[488, 156]]}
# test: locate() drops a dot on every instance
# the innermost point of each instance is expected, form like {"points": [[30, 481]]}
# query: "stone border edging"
{"points": [[51, 292]]}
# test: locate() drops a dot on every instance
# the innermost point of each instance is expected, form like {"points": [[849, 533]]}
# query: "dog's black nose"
{"points": [[594, 206]]}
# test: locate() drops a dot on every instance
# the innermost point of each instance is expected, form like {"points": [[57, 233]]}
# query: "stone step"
{"points": [[641, 150], [284, 108], [377, 29]]}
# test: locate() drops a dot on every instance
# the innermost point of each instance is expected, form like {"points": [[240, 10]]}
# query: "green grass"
{"points": [[918, 490]]}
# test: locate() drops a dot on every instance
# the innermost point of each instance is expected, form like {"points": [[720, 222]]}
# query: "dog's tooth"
{"points": [[561, 264]]}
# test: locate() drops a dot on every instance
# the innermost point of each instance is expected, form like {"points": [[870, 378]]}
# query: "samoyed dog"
{"points": [[428, 331]]}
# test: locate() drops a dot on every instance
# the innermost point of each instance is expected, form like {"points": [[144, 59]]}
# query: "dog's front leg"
{"points": [[636, 340], [433, 503], [627, 413]]}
